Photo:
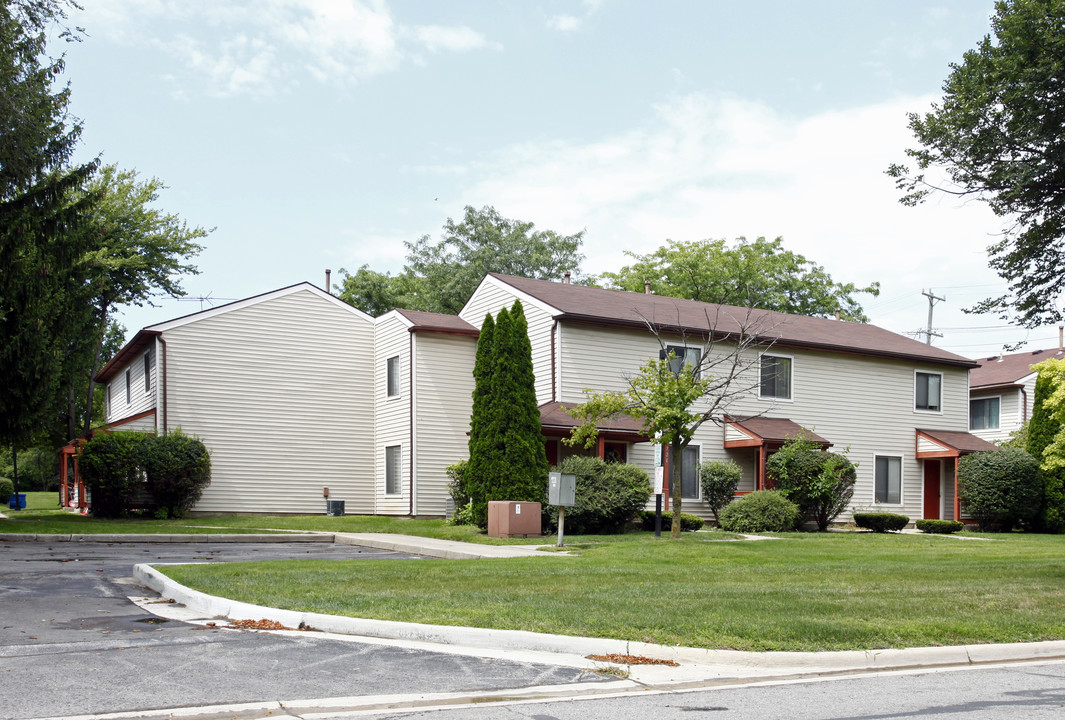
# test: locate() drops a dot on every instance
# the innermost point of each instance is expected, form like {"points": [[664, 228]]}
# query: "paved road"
{"points": [[1020, 691], [72, 643]]}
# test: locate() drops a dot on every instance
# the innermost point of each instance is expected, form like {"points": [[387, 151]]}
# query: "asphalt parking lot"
{"points": [[72, 643]]}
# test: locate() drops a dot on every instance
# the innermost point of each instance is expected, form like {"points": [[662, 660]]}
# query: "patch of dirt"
{"points": [[631, 660]]}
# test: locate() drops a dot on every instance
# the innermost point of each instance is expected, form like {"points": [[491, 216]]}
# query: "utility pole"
{"points": [[931, 303]]}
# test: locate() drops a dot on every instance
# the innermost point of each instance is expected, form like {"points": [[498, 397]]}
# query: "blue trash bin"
{"points": [[20, 499]]}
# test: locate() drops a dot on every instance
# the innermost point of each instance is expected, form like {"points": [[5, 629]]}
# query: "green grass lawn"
{"points": [[805, 591]]}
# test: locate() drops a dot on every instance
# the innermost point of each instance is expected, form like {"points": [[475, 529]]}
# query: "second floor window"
{"points": [[983, 413], [686, 357], [147, 372], [393, 376], [775, 380], [928, 392]]}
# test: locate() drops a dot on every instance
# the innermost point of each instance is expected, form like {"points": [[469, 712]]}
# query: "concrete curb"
{"points": [[171, 538], [698, 665]]}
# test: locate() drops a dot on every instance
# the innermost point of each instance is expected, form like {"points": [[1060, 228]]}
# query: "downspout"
{"points": [[410, 391], [554, 386], [1024, 405], [162, 384]]}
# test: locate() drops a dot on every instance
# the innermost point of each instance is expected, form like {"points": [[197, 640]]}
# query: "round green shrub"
{"points": [[761, 511], [178, 469], [1000, 488], [688, 522], [939, 527], [821, 483], [608, 495], [881, 521], [7, 489], [719, 480], [111, 468]]}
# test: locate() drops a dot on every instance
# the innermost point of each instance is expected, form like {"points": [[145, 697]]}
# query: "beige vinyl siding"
{"points": [[392, 339], [443, 400], [863, 405], [139, 399], [491, 297], [141, 424], [280, 390]]}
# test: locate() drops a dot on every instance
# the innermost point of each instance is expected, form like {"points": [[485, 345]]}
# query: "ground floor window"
{"points": [[889, 479], [689, 474], [393, 469]]}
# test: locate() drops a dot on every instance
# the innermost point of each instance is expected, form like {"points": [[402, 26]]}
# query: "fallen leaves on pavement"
{"points": [[631, 659]]}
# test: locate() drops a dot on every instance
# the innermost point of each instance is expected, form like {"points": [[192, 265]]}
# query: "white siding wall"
{"points": [[140, 400], [491, 298], [281, 393], [863, 405], [443, 401], [392, 339]]}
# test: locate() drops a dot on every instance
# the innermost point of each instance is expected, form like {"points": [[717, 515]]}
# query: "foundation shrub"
{"points": [[939, 527], [688, 522], [761, 511], [1001, 489], [178, 469], [881, 521], [608, 495], [821, 483], [719, 479], [7, 489], [110, 465]]}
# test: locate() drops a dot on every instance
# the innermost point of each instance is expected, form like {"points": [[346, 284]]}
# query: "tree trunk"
{"points": [[101, 334], [676, 452]]}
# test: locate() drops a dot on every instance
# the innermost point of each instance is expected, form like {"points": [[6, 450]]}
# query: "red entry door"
{"points": [[932, 489]]}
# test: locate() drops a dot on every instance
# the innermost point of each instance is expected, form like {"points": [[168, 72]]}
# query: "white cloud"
{"points": [[564, 23], [436, 38], [707, 166], [253, 47]]}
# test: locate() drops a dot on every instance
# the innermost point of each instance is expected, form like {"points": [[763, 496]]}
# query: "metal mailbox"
{"points": [[561, 489]]}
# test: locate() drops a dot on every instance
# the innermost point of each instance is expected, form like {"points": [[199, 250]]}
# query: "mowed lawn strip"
{"points": [[803, 592]]}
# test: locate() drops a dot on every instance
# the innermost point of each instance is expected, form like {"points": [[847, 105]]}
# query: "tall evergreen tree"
{"points": [[507, 459], [523, 441], [477, 467], [1042, 429]]}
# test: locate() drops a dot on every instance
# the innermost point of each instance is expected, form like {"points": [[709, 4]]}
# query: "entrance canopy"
{"points": [[932, 444], [555, 422], [766, 436]]}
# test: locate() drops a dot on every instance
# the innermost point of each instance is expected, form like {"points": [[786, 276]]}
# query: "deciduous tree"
{"points": [[997, 136], [758, 273]]}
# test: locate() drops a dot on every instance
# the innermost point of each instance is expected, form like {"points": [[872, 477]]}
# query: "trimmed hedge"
{"points": [[1002, 488], [881, 521], [939, 527], [608, 495], [128, 470], [7, 489], [821, 483], [761, 511], [688, 523]]}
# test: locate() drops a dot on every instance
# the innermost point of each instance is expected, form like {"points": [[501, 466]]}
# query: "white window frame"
{"points": [[129, 385], [692, 355], [791, 377], [698, 448], [936, 411], [984, 399], [902, 477], [393, 387], [148, 372], [394, 470]]}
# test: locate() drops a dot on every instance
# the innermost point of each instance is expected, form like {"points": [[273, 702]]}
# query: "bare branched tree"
{"points": [[675, 394]]}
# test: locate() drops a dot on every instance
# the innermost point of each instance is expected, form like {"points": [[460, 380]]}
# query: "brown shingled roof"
{"points": [[439, 322], [963, 442], [553, 415], [777, 430], [579, 303], [1008, 369]]}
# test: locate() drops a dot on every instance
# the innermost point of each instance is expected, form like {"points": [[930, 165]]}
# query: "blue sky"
{"points": [[319, 134]]}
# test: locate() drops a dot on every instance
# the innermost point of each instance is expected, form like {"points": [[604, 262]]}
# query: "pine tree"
{"points": [[1042, 429], [523, 444]]}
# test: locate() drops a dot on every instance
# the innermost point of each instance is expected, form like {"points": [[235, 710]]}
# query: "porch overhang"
{"points": [[935, 444], [556, 422], [766, 436]]}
